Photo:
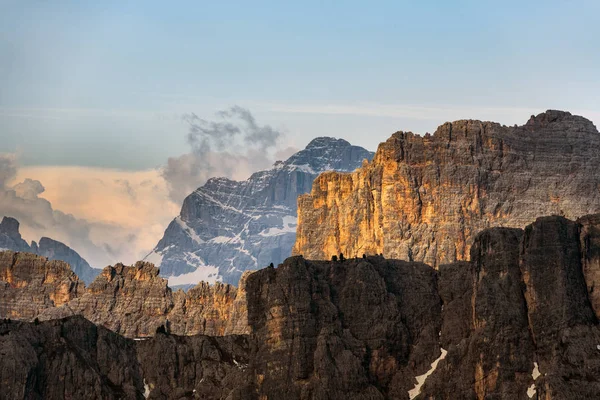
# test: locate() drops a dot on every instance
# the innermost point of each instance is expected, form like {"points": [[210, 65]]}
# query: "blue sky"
{"points": [[92, 93], [104, 84]]}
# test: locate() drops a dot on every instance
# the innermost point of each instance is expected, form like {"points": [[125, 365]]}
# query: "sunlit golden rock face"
{"points": [[424, 198], [31, 283]]}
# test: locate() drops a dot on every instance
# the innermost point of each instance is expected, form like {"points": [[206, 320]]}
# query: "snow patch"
{"points": [[206, 273], [304, 168], [193, 259], [531, 391], [240, 365], [146, 389], [220, 239], [536, 371], [154, 257], [220, 204], [289, 226], [422, 378], [191, 233]]}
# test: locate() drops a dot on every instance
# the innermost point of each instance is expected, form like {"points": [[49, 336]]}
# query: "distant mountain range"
{"points": [[227, 227], [10, 239]]}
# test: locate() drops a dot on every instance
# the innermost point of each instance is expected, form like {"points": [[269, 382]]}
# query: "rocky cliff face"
{"points": [[227, 227], [55, 250], [30, 284], [517, 321], [134, 301], [74, 359], [360, 329], [528, 329], [10, 239], [424, 198]]}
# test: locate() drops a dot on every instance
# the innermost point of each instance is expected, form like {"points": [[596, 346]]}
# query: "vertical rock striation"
{"points": [[134, 301], [30, 284], [356, 329], [55, 250], [424, 198], [517, 321]]}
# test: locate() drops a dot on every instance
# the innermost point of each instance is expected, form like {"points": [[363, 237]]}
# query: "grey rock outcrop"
{"points": [[10, 239], [55, 250], [74, 359], [134, 301], [227, 227]]}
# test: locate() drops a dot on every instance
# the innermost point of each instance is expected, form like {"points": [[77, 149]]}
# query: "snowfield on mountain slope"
{"points": [[227, 227]]}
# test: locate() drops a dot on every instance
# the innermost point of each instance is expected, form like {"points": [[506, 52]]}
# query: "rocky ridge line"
{"points": [[515, 322], [10, 239], [424, 198], [130, 300]]}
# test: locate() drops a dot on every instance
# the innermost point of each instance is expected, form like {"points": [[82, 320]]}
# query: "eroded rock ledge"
{"points": [[130, 300], [517, 321]]}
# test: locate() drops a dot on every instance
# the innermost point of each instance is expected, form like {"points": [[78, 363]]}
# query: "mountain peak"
{"points": [[227, 227], [10, 239], [326, 141], [10, 226]]}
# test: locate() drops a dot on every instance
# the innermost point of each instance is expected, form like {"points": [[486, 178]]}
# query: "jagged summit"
{"points": [[326, 154], [10, 226], [10, 239], [326, 141], [554, 116], [226, 227]]}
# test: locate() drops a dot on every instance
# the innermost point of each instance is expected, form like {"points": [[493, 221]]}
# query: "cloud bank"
{"points": [[105, 215], [111, 216], [234, 145]]}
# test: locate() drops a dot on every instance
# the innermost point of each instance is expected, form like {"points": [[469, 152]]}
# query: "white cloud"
{"points": [[105, 215], [234, 145]]}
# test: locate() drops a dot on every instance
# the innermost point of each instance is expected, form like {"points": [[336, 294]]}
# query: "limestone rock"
{"points": [[10, 238], [424, 198], [357, 329], [30, 283], [134, 301], [531, 328], [514, 322], [196, 367], [55, 250], [72, 358]]}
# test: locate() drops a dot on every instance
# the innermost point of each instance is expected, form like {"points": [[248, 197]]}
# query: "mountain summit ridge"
{"points": [[226, 227], [424, 198], [10, 239]]}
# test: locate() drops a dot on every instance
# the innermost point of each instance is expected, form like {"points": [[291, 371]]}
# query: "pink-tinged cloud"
{"points": [[106, 215]]}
